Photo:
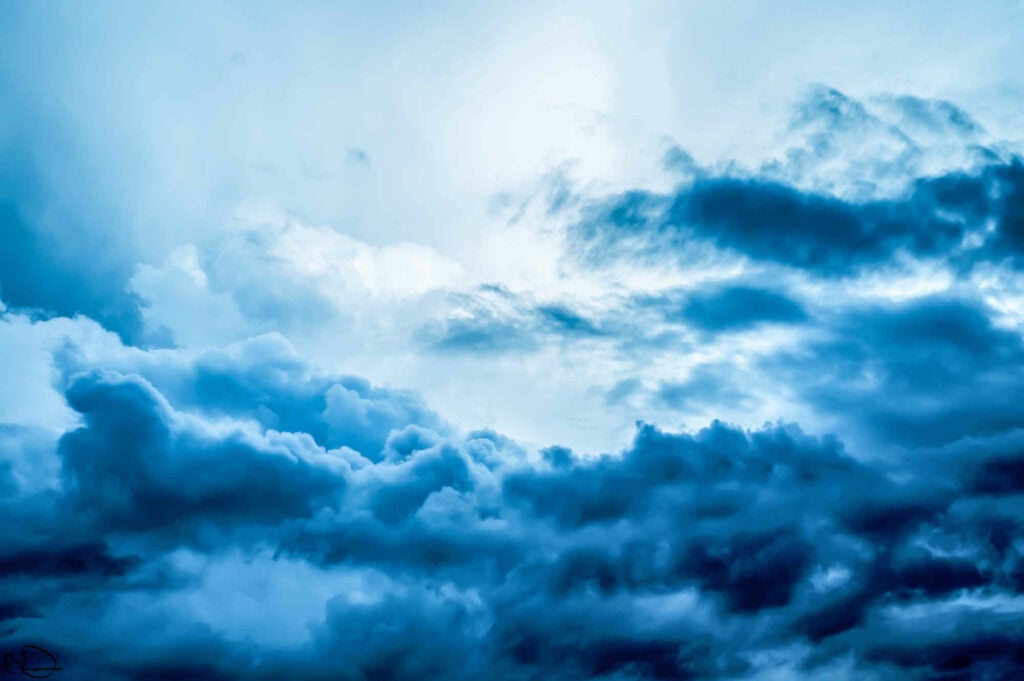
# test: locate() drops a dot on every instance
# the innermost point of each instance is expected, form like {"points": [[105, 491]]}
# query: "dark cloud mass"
{"points": [[830, 236], [38, 272], [59, 255], [925, 372], [135, 463], [739, 307], [687, 556], [775, 214]]}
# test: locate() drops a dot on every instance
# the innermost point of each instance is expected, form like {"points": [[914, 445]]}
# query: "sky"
{"points": [[581, 340]]}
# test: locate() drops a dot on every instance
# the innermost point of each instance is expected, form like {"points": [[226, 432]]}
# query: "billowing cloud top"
{"points": [[364, 344]]}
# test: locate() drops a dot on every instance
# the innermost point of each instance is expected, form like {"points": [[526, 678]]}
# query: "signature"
{"points": [[33, 662]]}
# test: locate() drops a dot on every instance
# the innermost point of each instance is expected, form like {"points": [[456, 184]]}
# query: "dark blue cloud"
{"points": [[771, 221], [770, 217], [570, 567], [65, 561], [1007, 183], [43, 271], [136, 465], [736, 308], [703, 510], [775, 222], [924, 372], [265, 381], [60, 253]]}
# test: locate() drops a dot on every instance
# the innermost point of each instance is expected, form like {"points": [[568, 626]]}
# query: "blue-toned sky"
{"points": [[580, 341]]}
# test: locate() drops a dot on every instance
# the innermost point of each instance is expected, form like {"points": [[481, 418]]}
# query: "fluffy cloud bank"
{"points": [[412, 550]]}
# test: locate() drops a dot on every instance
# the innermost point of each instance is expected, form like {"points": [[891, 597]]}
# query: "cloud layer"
{"points": [[718, 554], [295, 389], [722, 553]]}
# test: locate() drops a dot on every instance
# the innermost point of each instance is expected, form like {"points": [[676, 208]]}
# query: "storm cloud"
{"points": [[577, 343], [685, 556]]}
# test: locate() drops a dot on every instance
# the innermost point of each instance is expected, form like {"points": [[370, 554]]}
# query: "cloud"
{"points": [[688, 555], [922, 372], [784, 528], [43, 269], [779, 223], [739, 307], [706, 384], [774, 222], [268, 272], [136, 464], [495, 320], [264, 381], [776, 213], [65, 561]]}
